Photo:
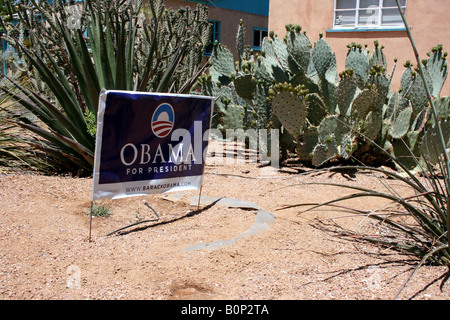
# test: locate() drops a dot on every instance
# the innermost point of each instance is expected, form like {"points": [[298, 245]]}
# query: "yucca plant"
{"points": [[11, 136], [418, 223], [78, 49], [9, 155]]}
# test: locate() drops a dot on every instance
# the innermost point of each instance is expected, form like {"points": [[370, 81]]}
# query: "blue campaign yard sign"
{"points": [[150, 143]]}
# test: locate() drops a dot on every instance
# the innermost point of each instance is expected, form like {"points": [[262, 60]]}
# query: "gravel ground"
{"points": [[220, 251]]}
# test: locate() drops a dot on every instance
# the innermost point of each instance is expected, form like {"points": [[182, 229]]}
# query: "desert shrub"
{"points": [[78, 49], [99, 210], [416, 223]]}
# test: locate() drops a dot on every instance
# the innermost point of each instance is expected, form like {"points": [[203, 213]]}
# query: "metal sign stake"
{"points": [[90, 220]]}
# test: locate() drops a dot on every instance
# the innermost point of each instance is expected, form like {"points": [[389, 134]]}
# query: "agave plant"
{"points": [[78, 49], [8, 154]]}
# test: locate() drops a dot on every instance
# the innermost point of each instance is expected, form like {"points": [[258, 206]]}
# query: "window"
{"points": [[215, 35], [258, 35], [367, 13]]}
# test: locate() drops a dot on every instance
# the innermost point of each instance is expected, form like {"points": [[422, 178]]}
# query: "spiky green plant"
{"points": [[99, 210], [78, 49]]}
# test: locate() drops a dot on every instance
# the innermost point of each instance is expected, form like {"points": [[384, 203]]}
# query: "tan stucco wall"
{"points": [[229, 22], [429, 22]]}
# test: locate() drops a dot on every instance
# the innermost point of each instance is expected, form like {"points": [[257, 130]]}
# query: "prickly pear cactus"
{"points": [[324, 152], [299, 49], [335, 127], [307, 141], [437, 67], [366, 101], [291, 109], [415, 90], [346, 91], [222, 67], [323, 57], [246, 86], [317, 109], [358, 61], [402, 123], [240, 41], [293, 85], [333, 132], [442, 105], [431, 147]]}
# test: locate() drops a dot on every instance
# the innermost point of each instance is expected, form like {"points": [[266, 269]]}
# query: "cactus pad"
{"points": [[322, 57], [431, 146], [345, 93], [333, 126], [438, 70], [291, 110], [306, 143], [222, 63], [299, 49], [245, 86], [324, 152], [357, 60]]}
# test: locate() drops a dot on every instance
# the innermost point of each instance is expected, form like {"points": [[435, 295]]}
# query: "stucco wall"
{"points": [[229, 22], [429, 22]]}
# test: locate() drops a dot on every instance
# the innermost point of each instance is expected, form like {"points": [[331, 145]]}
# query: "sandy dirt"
{"points": [[220, 251]]}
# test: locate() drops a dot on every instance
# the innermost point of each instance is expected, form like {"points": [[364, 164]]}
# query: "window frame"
{"points": [[261, 37], [379, 18]]}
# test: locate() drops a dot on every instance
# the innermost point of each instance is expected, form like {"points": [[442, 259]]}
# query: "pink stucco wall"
{"points": [[429, 22]]}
